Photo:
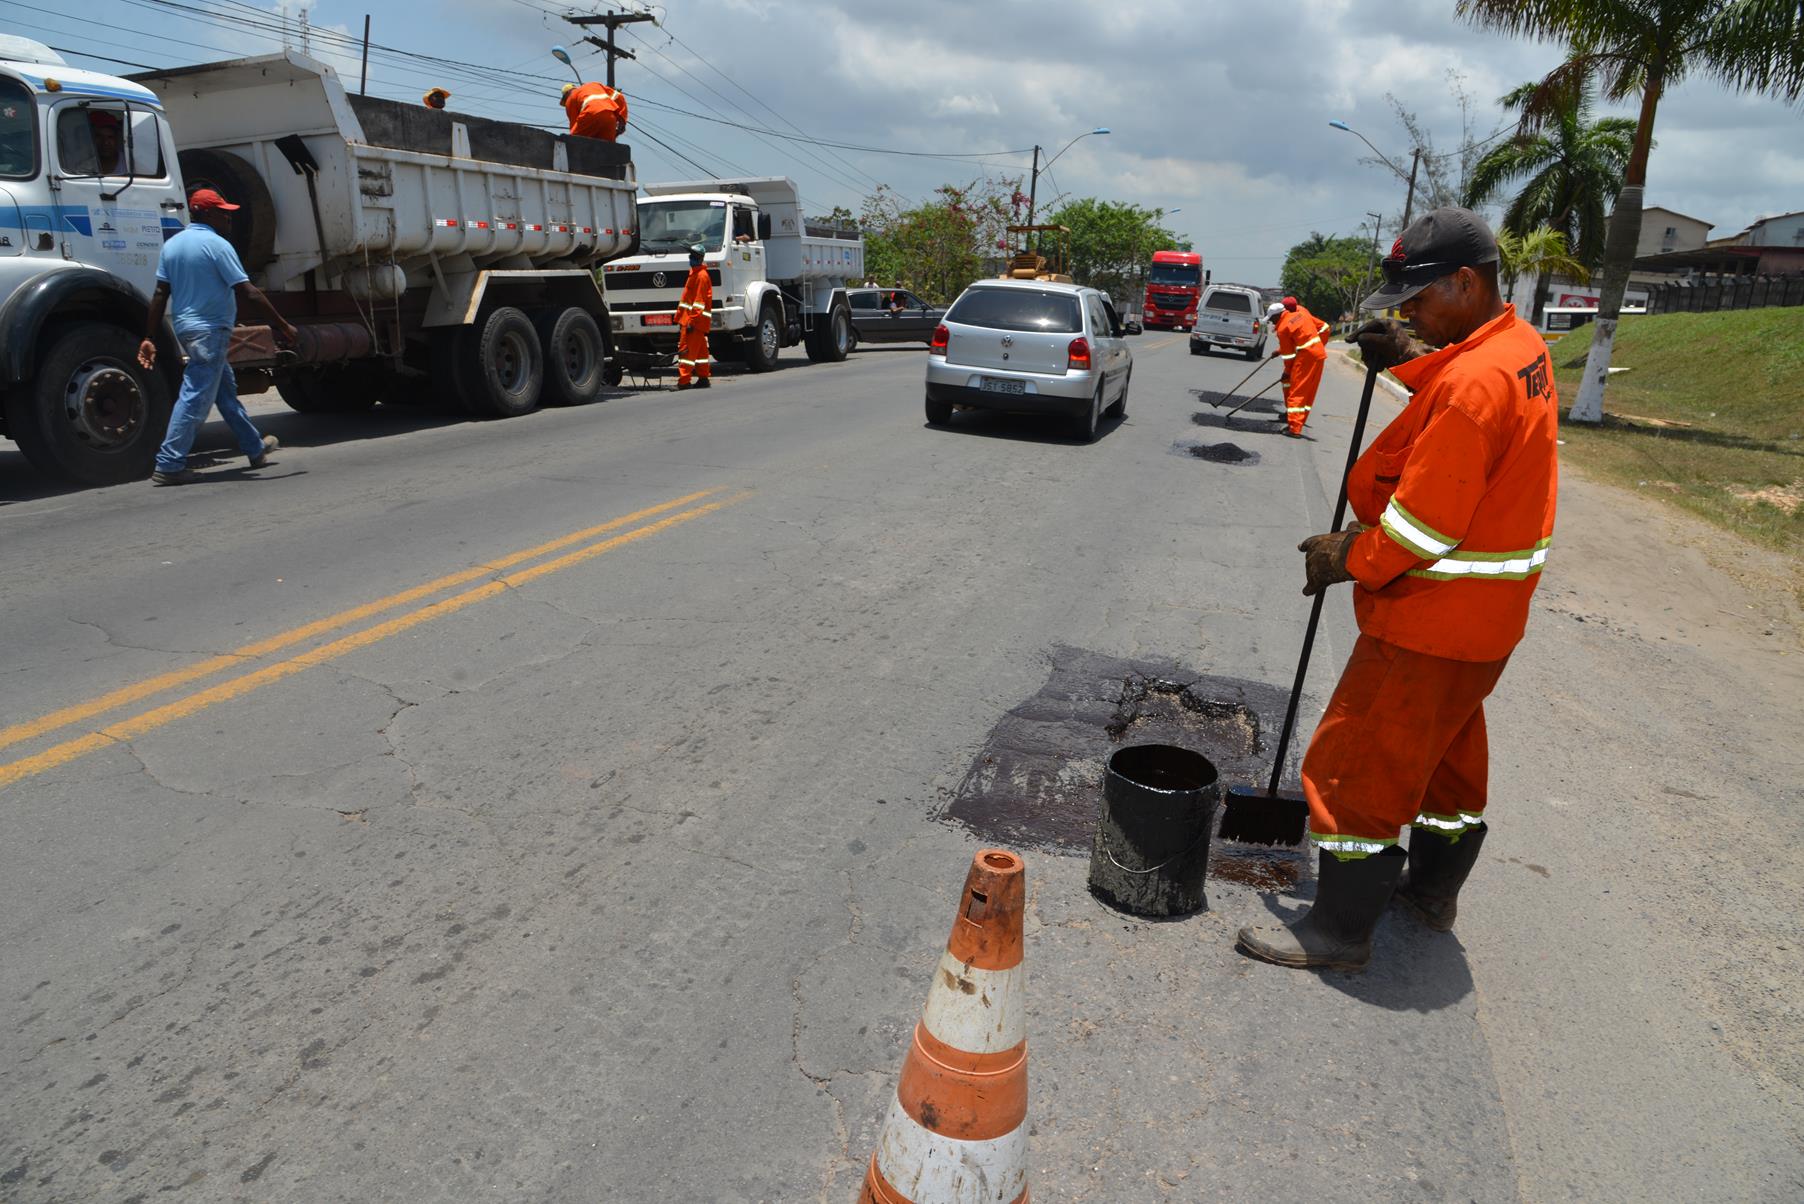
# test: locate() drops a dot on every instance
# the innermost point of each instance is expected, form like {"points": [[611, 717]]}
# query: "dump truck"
{"points": [[423, 255], [778, 279]]}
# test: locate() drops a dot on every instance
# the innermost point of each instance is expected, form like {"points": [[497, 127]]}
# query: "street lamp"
{"points": [[1033, 188], [1415, 158]]}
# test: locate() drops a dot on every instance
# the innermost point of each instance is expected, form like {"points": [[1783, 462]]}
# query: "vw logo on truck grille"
{"points": [[657, 280]]}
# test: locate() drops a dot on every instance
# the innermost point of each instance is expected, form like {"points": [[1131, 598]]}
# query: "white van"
{"points": [[1229, 318]]}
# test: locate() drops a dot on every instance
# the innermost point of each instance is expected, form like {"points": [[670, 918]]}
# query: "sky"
{"points": [[1218, 112]]}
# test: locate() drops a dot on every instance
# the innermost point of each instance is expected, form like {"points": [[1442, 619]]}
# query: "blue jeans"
{"points": [[207, 382]]}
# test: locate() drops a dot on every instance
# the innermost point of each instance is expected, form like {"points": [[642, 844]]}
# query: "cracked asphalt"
{"points": [[625, 882]]}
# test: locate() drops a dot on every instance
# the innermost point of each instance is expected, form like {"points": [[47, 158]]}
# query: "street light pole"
{"points": [[1415, 160], [1033, 187]]}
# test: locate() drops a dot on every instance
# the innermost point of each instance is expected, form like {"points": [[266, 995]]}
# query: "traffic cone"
{"points": [[957, 1130]]}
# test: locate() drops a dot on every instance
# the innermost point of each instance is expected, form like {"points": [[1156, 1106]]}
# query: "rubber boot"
{"points": [[1336, 934], [1438, 866]]}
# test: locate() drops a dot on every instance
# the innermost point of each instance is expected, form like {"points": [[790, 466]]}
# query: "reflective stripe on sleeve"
{"points": [[1495, 566], [1315, 342], [1291, 356], [1415, 534]]}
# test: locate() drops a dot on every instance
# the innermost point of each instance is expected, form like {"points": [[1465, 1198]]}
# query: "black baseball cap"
{"points": [[1439, 243]]}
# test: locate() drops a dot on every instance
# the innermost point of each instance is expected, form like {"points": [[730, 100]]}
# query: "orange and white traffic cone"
{"points": [[957, 1131]]}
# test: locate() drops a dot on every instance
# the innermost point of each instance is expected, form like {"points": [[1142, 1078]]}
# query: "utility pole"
{"points": [[363, 78], [613, 21], [1409, 202], [1365, 284], [1033, 193]]}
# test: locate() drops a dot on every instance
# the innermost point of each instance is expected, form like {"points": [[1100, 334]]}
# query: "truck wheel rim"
{"points": [[841, 332], [510, 363], [578, 358], [104, 405], [767, 338]]}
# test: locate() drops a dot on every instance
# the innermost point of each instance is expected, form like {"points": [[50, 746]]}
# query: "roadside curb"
{"points": [[1389, 382]]}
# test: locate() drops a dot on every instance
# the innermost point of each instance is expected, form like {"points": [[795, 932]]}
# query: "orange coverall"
{"points": [[1301, 348], [596, 111], [1457, 500], [695, 317]]}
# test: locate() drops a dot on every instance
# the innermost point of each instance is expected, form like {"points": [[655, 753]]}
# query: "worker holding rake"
{"points": [[1455, 502]]}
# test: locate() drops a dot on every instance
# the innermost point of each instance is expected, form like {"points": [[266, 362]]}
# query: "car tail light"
{"points": [[1077, 356], [941, 337]]}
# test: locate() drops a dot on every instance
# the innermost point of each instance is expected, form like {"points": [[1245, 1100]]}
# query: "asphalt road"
{"points": [[574, 808]]}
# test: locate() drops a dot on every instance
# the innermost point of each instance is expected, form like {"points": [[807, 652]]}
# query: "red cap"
{"points": [[206, 198], [1290, 303], [103, 119]]}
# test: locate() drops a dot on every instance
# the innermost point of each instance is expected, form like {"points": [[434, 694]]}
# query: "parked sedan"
{"points": [[892, 315], [1030, 347]]}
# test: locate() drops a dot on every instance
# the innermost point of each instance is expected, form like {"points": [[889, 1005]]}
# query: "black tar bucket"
{"points": [[1152, 838]]}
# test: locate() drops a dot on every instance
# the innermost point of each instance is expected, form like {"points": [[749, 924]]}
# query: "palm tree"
{"points": [[1639, 48], [1541, 251], [1574, 167]]}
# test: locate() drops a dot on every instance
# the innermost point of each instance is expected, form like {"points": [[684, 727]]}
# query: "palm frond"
{"points": [[1755, 46]]}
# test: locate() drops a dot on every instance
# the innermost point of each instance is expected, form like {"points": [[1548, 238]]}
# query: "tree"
{"points": [[1639, 48], [938, 247], [1327, 274], [1574, 168], [1442, 177], [1541, 251], [1112, 242]]}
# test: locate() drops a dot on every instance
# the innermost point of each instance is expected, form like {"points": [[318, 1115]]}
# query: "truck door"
{"points": [[745, 257], [113, 187]]}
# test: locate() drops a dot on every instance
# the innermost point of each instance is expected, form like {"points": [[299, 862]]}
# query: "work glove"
{"points": [[1325, 559], [1385, 343]]}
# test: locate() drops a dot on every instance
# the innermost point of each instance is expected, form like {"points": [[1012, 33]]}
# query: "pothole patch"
{"points": [[1216, 453], [1037, 782]]}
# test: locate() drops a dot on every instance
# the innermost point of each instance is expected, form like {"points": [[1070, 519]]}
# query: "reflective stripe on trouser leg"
{"points": [[1305, 379], [1402, 735], [692, 352], [1454, 802]]}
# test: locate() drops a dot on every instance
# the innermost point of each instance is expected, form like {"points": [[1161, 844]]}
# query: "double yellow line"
{"points": [[673, 512]]}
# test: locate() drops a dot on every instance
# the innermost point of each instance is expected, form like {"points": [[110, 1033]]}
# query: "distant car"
{"points": [[1130, 317], [892, 315], [1229, 318], [1030, 347]]}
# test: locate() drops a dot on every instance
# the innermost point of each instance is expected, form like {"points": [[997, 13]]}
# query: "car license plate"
{"points": [[989, 384], [660, 319]]}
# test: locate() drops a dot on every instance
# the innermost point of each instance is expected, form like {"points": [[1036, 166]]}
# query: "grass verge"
{"points": [[1709, 417]]}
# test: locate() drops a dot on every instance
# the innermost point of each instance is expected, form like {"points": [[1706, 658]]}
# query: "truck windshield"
{"points": [[668, 226], [1175, 273], [18, 131]]}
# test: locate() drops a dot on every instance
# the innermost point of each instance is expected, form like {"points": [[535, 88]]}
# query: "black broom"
{"points": [[1254, 816]]}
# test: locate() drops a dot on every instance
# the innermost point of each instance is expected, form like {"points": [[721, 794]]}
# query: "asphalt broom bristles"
{"points": [[1252, 816]]}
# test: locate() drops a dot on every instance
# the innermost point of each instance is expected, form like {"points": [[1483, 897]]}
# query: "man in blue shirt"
{"points": [[200, 279]]}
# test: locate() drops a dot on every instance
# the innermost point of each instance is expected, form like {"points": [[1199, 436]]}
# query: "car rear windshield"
{"points": [[1018, 309], [1174, 273], [1233, 303]]}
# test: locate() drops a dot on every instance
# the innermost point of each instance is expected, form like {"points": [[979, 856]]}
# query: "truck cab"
{"points": [[777, 279], [1174, 285], [89, 191]]}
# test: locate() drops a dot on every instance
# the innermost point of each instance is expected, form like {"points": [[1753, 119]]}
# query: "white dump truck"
{"points": [[778, 279], [422, 254]]}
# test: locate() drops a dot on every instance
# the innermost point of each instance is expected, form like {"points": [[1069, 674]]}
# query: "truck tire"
{"points": [[767, 340], [1254, 353], [253, 232], [336, 388], [504, 368], [91, 414], [575, 356], [831, 341], [1197, 348]]}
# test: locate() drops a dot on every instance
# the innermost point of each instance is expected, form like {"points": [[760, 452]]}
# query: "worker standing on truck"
{"points": [[695, 317], [200, 277], [1455, 502], [595, 111], [1301, 348]]}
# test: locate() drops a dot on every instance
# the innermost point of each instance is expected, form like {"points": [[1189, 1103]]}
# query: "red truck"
{"points": [[1174, 285]]}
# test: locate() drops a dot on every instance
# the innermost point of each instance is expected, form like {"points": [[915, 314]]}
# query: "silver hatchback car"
{"points": [[1030, 347]]}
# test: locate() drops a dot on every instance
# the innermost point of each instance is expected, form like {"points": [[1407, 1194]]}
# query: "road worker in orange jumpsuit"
{"points": [[695, 317], [1310, 321], [595, 111], [1455, 507], [1303, 352]]}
